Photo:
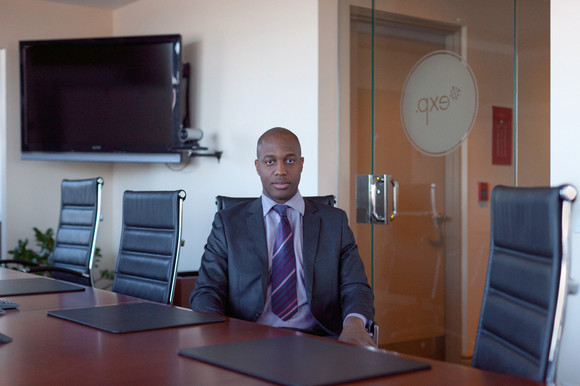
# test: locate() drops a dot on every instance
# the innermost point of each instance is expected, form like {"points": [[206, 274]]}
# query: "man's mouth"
{"points": [[281, 184]]}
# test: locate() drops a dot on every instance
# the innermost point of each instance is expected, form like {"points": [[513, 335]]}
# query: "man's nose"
{"points": [[280, 169]]}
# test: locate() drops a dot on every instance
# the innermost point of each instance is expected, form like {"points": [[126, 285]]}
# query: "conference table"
{"points": [[51, 351]]}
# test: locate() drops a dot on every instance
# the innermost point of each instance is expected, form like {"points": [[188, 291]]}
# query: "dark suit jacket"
{"points": [[233, 276]]}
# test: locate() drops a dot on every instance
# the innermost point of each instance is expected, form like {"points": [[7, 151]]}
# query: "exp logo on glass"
{"points": [[439, 103], [428, 105]]}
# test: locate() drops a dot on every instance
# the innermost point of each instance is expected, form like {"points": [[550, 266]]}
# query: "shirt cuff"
{"points": [[361, 317]]}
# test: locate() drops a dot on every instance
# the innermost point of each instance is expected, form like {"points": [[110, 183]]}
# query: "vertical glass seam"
{"points": [[373, 88], [516, 107]]}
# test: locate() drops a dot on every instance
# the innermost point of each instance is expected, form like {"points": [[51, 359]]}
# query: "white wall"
{"points": [[254, 66], [32, 190], [565, 157]]}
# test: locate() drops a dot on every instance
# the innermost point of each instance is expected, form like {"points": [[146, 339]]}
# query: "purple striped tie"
{"points": [[284, 302]]}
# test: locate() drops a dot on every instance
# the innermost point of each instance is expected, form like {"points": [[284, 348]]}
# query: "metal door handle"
{"points": [[395, 184], [375, 203], [374, 213]]}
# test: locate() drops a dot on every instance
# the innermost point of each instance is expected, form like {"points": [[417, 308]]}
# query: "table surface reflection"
{"points": [[49, 350]]}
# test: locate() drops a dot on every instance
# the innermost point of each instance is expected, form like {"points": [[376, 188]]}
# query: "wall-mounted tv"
{"points": [[101, 99]]}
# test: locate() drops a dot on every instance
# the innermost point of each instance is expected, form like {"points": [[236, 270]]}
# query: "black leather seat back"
{"points": [[76, 235], [223, 202], [521, 289], [150, 244]]}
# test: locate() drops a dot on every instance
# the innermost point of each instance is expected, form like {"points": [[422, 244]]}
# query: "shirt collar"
{"points": [[296, 203]]}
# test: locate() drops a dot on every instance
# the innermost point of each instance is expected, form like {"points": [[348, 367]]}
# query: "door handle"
{"points": [[373, 192], [438, 219], [377, 199], [395, 196]]}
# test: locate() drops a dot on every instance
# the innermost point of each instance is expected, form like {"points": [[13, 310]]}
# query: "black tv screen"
{"points": [[101, 99]]}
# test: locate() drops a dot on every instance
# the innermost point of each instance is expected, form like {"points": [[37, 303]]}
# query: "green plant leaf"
{"points": [[45, 242]]}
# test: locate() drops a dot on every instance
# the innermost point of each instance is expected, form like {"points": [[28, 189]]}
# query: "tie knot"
{"points": [[280, 209]]}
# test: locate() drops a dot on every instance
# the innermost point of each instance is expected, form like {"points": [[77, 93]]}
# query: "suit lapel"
{"points": [[255, 226], [310, 240]]}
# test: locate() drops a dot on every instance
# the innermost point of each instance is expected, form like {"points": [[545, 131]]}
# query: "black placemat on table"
{"points": [[133, 317], [302, 360], [40, 285]]}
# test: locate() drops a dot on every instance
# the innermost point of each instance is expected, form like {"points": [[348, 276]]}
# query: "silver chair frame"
{"points": [[179, 242], [566, 286]]}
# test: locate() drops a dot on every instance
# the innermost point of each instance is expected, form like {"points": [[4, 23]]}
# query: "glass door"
{"points": [[429, 90]]}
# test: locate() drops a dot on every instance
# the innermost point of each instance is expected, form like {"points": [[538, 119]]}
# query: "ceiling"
{"points": [[101, 4]]}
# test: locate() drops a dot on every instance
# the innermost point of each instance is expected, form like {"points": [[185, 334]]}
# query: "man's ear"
{"points": [[257, 166], [301, 163]]}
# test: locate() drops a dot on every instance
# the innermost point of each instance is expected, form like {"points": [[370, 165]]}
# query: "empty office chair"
{"points": [[223, 202], [150, 244], [76, 235], [527, 281]]}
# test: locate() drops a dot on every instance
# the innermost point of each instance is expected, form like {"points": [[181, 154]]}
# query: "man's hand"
{"points": [[354, 332]]}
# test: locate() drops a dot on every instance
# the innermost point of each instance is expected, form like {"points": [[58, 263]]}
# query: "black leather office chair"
{"points": [[527, 281], [150, 245], [76, 235], [223, 202]]}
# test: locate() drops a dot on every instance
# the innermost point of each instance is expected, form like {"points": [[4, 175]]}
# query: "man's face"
{"points": [[279, 165]]}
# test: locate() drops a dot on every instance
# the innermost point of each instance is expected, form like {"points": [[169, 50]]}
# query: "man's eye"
{"points": [[290, 161], [269, 162]]}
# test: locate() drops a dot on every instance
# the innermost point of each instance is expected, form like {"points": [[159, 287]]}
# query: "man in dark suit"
{"points": [[329, 291]]}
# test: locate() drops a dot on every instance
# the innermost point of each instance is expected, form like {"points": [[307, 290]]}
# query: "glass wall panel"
{"points": [[433, 93]]}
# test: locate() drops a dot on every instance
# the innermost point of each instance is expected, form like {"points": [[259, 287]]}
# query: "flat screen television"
{"points": [[101, 99]]}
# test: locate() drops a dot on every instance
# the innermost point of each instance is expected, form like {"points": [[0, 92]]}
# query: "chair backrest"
{"points": [[223, 202], [523, 302], [150, 245], [76, 235]]}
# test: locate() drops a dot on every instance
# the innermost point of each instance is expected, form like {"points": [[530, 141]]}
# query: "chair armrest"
{"points": [[20, 262], [47, 268]]}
